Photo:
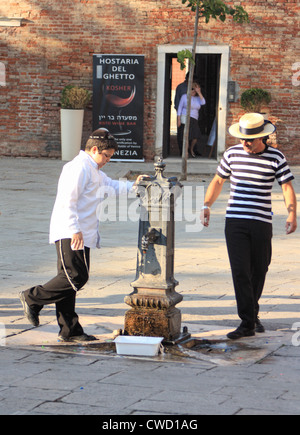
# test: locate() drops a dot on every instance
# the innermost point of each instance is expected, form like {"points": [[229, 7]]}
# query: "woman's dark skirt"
{"points": [[194, 132]]}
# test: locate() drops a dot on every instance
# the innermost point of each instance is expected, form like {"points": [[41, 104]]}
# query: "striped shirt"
{"points": [[252, 177]]}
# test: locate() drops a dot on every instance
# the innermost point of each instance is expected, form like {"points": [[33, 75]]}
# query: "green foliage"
{"points": [[252, 100], [217, 9], [208, 9], [74, 97], [182, 56]]}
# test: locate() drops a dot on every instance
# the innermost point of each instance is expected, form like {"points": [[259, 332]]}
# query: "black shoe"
{"points": [[76, 338], [241, 332], [31, 316], [259, 328]]}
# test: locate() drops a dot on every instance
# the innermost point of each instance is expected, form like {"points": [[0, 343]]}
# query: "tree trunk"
{"points": [[185, 149]]}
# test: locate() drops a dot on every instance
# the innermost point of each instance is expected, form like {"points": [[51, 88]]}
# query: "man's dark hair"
{"points": [[102, 139]]}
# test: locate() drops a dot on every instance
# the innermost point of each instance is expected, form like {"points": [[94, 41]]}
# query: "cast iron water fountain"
{"points": [[154, 298]]}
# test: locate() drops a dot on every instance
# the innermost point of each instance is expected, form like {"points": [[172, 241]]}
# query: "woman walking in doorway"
{"points": [[196, 102]]}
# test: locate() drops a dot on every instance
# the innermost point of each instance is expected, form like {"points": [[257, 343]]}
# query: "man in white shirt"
{"points": [[74, 229]]}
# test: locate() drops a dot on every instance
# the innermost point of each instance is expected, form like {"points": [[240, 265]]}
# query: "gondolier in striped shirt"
{"points": [[252, 167]]}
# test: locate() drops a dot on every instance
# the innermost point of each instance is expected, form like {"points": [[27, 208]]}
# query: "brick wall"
{"points": [[56, 41], [178, 75]]}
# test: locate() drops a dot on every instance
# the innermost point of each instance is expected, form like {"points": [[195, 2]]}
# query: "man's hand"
{"points": [[205, 216], [213, 192], [140, 177], [291, 225], [291, 205], [77, 242]]}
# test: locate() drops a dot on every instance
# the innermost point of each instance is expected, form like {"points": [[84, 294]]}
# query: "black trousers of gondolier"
{"points": [[249, 244], [72, 274]]}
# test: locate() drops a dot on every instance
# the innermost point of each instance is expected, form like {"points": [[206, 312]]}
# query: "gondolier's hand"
{"points": [[77, 242], [291, 225], [205, 216], [291, 205]]}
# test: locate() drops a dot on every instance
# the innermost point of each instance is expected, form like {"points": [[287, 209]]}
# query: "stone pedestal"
{"points": [[154, 323]]}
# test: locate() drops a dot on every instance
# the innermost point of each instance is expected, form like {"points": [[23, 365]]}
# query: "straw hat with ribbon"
{"points": [[252, 126]]}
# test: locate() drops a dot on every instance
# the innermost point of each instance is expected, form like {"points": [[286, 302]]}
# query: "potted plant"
{"points": [[254, 99], [73, 102]]}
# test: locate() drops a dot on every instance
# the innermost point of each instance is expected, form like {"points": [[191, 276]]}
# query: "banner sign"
{"points": [[118, 101]]}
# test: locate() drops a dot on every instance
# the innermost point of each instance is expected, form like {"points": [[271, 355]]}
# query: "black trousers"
{"points": [[72, 274], [249, 244], [180, 132]]}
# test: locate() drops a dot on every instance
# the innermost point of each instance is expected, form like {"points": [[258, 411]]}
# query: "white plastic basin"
{"points": [[137, 345]]}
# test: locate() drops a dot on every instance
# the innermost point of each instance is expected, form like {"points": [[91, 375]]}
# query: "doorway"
{"points": [[211, 69], [207, 74]]}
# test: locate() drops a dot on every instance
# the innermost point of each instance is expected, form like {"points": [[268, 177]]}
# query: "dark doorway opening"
{"points": [[207, 70]]}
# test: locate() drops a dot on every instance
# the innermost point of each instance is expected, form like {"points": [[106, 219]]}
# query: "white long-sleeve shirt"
{"points": [[196, 103], [78, 197]]}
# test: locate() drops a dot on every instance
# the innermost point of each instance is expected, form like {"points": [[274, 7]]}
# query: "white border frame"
{"points": [[10, 22]]}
